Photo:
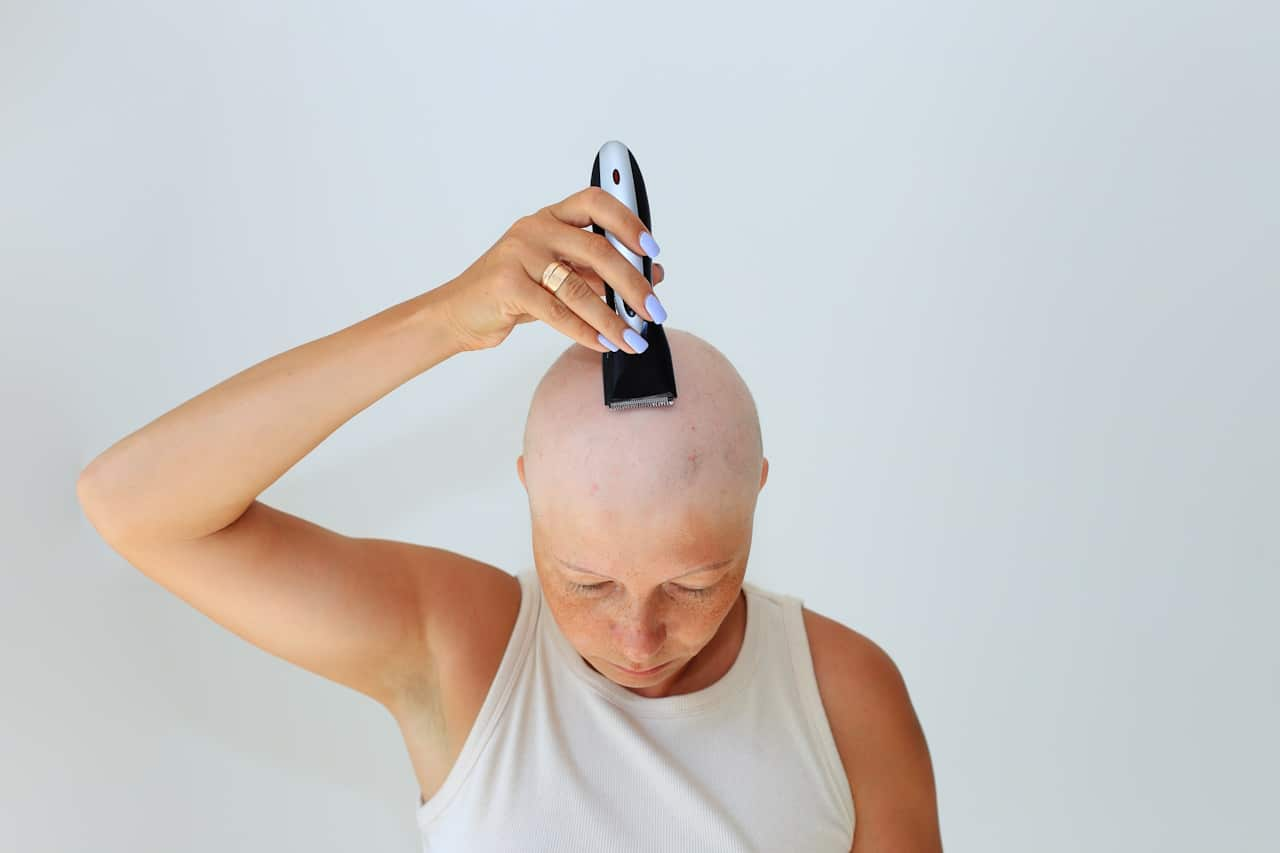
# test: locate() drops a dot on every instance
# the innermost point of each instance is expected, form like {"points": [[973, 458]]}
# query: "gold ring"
{"points": [[554, 275]]}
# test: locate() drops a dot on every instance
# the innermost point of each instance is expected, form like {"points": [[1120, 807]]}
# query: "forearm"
{"points": [[198, 467]]}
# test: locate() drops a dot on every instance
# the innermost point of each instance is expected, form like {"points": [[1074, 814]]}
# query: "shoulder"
{"points": [[878, 735], [849, 663]]}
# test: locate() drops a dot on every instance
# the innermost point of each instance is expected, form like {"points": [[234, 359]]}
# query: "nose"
{"points": [[639, 636], [641, 648]]}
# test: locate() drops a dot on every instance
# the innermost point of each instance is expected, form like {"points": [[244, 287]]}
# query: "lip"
{"points": [[643, 671]]}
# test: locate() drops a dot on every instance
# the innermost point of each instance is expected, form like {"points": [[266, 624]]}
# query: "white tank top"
{"points": [[560, 758]]}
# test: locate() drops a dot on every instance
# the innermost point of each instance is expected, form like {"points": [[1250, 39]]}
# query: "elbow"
{"points": [[93, 503]]}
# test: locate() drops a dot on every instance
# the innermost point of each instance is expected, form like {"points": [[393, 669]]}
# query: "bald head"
{"points": [[642, 518], [704, 453]]}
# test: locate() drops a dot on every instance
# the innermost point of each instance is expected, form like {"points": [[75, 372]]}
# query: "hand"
{"points": [[503, 287]]}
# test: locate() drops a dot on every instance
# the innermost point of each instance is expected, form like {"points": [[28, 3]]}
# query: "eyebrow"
{"points": [[698, 570]]}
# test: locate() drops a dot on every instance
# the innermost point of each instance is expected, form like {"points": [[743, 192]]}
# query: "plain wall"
{"points": [[1002, 277]]}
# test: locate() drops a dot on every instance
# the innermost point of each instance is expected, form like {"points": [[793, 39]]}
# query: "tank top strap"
{"points": [[810, 699]]}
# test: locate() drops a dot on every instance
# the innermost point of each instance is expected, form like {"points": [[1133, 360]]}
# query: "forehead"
{"points": [[656, 548], [671, 526]]}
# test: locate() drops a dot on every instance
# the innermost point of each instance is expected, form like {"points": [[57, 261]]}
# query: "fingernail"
{"points": [[607, 343], [647, 243], [638, 343], [655, 309]]}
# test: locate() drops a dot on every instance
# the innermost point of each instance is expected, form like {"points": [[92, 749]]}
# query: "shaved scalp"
{"points": [[705, 451]]}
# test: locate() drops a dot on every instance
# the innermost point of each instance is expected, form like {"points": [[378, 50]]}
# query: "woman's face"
{"points": [[642, 595]]}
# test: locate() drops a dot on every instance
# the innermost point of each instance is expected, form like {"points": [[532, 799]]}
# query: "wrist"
{"points": [[428, 326]]}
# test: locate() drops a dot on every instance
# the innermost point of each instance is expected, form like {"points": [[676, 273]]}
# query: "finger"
{"points": [[597, 206], [541, 303], [590, 276], [583, 302], [597, 283], [588, 249]]}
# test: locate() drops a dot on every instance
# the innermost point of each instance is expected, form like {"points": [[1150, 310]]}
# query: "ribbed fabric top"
{"points": [[560, 758]]}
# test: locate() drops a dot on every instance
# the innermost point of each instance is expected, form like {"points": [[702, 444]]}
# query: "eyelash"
{"points": [[587, 588]]}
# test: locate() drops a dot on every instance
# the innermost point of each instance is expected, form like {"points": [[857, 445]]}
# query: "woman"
{"points": [[632, 691]]}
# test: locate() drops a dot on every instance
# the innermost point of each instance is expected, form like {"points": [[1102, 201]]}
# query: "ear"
{"points": [[764, 472], [520, 471]]}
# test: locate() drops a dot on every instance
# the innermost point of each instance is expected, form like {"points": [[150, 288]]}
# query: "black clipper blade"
{"points": [[647, 379]]}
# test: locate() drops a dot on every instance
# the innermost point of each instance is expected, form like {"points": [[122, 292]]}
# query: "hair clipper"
{"points": [[645, 379]]}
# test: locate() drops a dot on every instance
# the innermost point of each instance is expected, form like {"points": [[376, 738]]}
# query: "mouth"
{"points": [[650, 671]]}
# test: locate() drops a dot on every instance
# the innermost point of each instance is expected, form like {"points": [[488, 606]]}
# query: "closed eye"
{"points": [[589, 588]]}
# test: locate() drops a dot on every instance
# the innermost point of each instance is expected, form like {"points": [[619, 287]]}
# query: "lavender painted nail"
{"points": [[638, 343], [655, 309], [647, 243]]}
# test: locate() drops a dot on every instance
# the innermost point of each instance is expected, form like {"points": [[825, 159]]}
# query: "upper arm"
{"points": [[351, 610], [881, 742]]}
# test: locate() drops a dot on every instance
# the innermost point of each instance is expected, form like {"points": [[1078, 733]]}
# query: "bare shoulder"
{"points": [[878, 735]]}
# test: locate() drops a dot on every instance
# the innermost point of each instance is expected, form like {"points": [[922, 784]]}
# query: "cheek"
{"points": [[584, 623]]}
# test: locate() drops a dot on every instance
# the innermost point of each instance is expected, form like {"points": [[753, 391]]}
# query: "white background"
{"points": [[1002, 277]]}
